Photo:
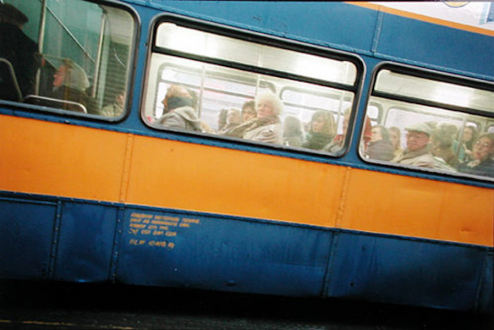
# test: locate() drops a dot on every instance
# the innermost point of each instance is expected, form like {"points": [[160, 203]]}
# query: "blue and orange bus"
{"points": [[310, 149]]}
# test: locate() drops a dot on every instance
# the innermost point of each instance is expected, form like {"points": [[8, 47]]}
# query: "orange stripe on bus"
{"points": [[78, 162], [423, 18]]}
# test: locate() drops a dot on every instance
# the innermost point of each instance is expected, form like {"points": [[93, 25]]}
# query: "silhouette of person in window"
{"points": [[17, 47]]}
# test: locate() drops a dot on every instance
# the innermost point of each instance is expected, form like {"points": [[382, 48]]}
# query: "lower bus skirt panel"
{"points": [[48, 238]]}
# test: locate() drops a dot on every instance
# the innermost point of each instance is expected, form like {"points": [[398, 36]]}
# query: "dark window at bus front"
{"points": [[72, 55], [209, 83], [435, 124]]}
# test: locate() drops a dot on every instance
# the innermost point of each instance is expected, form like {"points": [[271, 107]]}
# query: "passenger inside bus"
{"points": [[116, 108], [222, 120], [442, 147], [17, 48], [293, 132], [395, 138], [178, 110], [248, 111], [70, 83], [380, 146], [417, 152], [267, 126], [338, 141], [465, 148], [322, 130], [233, 119], [483, 153]]}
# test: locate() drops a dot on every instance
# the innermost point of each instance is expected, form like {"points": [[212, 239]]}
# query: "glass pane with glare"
{"points": [[435, 91], [74, 55], [190, 41], [304, 115], [428, 138]]}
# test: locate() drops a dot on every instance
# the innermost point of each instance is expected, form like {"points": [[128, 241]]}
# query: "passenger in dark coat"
{"points": [[322, 129], [380, 146], [483, 153], [17, 47]]}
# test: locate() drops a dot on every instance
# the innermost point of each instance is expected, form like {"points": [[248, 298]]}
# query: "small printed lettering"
{"points": [[137, 242], [190, 220], [147, 229]]}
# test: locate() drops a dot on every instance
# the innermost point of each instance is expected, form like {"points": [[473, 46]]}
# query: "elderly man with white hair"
{"points": [[266, 127]]}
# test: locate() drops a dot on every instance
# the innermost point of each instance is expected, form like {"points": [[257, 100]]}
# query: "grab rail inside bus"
{"points": [[9, 88], [54, 103]]}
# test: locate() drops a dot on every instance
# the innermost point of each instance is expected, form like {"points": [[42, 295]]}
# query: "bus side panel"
{"points": [[58, 159], [179, 175], [405, 271], [220, 253], [328, 21], [440, 48], [486, 290], [406, 206], [87, 234], [26, 228]]}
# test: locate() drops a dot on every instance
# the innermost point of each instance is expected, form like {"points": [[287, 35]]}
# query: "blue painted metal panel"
{"points": [[189, 250], [404, 271], [26, 234], [86, 241], [436, 45], [486, 289], [322, 23]]}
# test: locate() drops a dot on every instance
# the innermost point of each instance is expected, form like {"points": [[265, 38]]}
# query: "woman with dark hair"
{"points": [[322, 129], [293, 132], [380, 146], [468, 137], [482, 154]]}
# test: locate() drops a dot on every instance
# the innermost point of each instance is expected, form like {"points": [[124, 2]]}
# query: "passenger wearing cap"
{"points": [[178, 110], [417, 152]]}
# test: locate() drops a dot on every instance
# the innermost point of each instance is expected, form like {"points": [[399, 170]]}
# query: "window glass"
{"points": [[72, 55], [174, 37], [431, 137], [242, 90], [434, 91]]}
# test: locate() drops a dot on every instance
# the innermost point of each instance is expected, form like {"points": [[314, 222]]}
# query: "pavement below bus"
{"points": [[40, 306]]}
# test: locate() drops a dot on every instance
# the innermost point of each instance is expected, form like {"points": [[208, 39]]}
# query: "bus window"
{"points": [[433, 124], [203, 86], [78, 58]]}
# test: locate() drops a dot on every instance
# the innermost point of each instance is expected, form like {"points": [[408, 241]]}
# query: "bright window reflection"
{"points": [[228, 101], [191, 41]]}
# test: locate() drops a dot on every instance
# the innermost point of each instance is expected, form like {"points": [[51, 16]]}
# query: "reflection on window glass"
{"points": [[429, 137], [239, 104], [78, 58], [187, 94], [172, 36], [435, 91]]}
